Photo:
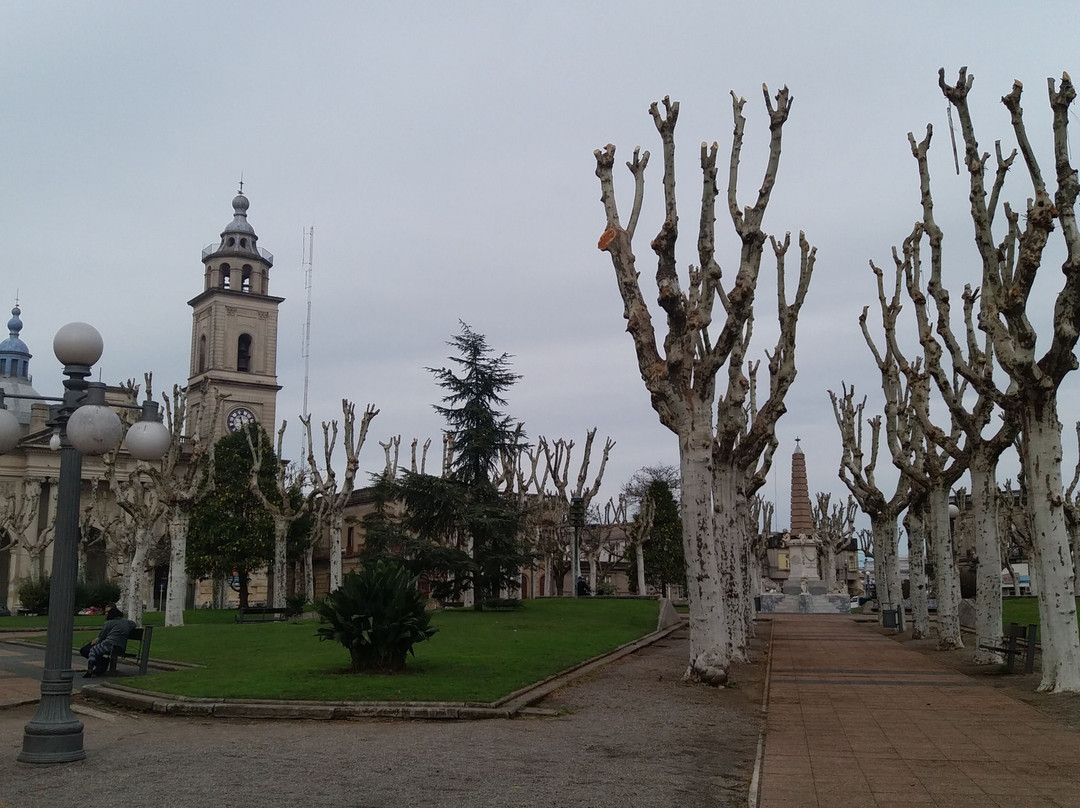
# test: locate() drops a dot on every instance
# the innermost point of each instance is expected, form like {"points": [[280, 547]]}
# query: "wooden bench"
{"points": [[1017, 640], [143, 636], [260, 614]]}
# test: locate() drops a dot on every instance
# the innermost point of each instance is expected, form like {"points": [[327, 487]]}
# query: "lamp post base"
{"points": [[54, 734]]}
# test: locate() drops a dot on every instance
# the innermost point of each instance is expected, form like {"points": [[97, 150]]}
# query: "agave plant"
{"points": [[378, 614]]}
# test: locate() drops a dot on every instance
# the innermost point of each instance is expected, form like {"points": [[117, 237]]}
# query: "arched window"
{"points": [[225, 276], [243, 353], [245, 279], [202, 353], [3, 366]]}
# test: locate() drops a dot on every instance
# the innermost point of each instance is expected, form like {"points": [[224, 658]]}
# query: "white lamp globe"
{"points": [[78, 344], [9, 431], [953, 511], [94, 429], [148, 440]]}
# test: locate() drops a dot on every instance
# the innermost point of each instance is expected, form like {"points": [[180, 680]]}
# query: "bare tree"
{"points": [[280, 508], [557, 458], [324, 484], [834, 526], [859, 474], [682, 380], [182, 478], [970, 358], [19, 517], [1009, 270]]}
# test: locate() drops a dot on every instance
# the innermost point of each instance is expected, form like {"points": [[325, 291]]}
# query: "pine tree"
{"points": [[464, 510]]}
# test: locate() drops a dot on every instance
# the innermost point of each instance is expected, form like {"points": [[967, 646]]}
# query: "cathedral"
{"points": [[233, 353]]}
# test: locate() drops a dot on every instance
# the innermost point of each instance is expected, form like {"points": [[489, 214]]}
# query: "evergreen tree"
{"points": [[664, 560], [462, 521], [230, 530]]}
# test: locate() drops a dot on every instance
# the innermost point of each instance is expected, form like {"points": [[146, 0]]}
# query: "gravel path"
{"points": [[629, 734]]}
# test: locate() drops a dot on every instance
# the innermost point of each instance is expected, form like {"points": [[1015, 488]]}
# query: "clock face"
{"points": [[239, 418]]}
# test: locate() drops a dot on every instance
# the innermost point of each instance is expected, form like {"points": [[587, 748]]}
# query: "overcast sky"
{"points": [[443, 153]]}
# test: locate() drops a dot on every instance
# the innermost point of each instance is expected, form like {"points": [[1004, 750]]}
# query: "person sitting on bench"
{"points": [[113, 636]]}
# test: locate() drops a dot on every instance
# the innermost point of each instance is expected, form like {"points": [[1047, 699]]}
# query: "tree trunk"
{"points": [[336, 519], [174, 598], [988, 555], [133, 580], [639, 557], [827, 562], [730, 526], [890, 593], [946, 577], [920, 615], [1052, 564], [708, 616], [309, 574], [280, 568]]}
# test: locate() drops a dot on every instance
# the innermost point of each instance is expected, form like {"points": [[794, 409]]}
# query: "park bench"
{"points": [[1017, 640], [260, 614], [142, 636]]}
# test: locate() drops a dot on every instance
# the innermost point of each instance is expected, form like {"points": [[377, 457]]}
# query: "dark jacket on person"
{"points": [[115, 633]]}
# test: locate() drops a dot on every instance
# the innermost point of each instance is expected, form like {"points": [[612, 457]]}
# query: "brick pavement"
{"points": [[855, 719]]}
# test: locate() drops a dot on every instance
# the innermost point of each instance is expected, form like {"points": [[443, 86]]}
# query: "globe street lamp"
{"points": [[85, 424]]}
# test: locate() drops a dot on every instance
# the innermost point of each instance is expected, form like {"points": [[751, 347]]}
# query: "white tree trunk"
{"points": [[890, 593], [988, 572], [133, 580], [336, 519], [309, 575], [174, 596], [639, 557], [730, 526], [946, 578], [1052, 564], [708, 616], [920, 615], [280, 568]]}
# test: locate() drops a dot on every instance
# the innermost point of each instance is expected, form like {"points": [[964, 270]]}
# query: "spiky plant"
{"points": [[378, 614]]}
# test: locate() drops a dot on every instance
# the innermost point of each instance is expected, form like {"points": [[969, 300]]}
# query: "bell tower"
{"points": [[234, 329]]}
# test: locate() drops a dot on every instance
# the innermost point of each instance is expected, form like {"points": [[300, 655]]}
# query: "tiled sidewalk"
{"points": [[855, 719]]}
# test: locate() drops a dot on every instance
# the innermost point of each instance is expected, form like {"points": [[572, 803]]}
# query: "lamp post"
{"points": [[85, 425], [577, 520]]}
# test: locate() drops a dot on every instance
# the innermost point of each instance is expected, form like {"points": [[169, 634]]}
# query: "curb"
{"points": [[510, 706]]}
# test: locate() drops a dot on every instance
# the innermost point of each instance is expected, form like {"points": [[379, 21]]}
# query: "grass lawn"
{"points": [[474, 657], [1023, 611]]}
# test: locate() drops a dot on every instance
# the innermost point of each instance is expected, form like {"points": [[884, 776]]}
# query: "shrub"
{"points": [[34, 594], [95, 593], [378, 614], [294, 605]]}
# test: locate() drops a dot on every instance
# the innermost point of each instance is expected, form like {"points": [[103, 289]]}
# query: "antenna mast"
{"points": [[306, 253]]}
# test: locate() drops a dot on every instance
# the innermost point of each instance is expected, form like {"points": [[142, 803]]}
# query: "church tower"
{"points": [[234, 329]]}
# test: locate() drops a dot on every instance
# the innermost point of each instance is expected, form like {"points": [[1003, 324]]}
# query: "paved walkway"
{"points": [[855, 719]]}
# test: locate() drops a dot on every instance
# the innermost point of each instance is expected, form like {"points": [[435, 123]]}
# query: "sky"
{"points": [[443, 155]]}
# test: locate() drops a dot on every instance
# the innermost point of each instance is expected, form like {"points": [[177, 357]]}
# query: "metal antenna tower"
{"points": [[306, 254]]}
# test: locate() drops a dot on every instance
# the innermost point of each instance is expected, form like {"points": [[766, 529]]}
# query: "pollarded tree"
{"points": [[967, 356], [717, 457], [183, 476], [859, 474], [332, 499], [286, 507], [834, 528], [1009, 270]]}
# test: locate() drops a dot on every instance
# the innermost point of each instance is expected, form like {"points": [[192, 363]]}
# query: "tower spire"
{"points": [[802, 515]]}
